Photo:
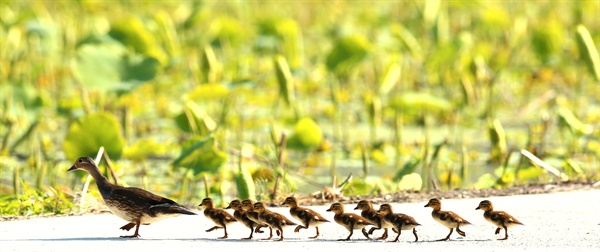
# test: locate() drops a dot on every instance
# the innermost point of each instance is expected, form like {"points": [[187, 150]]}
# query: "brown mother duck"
{"points": [[446, 218], [307, 217], [135, 205], [499, 218]]}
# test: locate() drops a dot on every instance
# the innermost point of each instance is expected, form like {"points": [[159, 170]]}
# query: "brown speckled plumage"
{"points": [[241, 216], [220, 217], [349, 220], [446, 218], [306, 216], [369, 213], [501, 219], [272, 219], [398, 221], [135, 205]]}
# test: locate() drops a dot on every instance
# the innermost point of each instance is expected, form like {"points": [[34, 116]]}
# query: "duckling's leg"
{"points": [[505, 233], [136, 234], [398, 236], [348, 238], [384, 235], [281, 234], [364, 231], [460, 232], [258, 227], [225, 231], [498, 230], [373, 229], [250, 237], [447, 237], [270, 234], [314, 237], [415, 233], [297, 229]]}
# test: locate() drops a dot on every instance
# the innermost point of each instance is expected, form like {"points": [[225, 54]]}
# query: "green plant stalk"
{"points": [[184, 185], [6, 137], [365, 159], [206, 185], [425, 173], [464, 164], [398, 127]]}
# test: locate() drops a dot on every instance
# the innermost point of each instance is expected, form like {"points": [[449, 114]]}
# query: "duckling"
{"points": [[398, 221], [248, 206], [304, 215], [273, 219], [446, 218], [220, 217], [241, 216], [135, 205], [499, 218], [349, 220], [369, 213]]}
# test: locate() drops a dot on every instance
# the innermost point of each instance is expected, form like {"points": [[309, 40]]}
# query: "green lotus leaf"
{"points": [[200, 155], [307, 135], [89, 133]]}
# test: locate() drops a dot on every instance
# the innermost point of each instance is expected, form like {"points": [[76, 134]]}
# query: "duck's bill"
{"points": [[72, 168]]}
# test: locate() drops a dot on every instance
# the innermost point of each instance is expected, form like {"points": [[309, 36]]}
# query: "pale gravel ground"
{"points": [[568, 221]]}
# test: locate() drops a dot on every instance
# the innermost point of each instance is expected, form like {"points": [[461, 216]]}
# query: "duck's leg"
{"points": [[505, 233], [415, 233], [297, 229], [128, 226], [498, 230], [135, 234], [314, 237], [212, 228], [447, 237], [460, 232]]}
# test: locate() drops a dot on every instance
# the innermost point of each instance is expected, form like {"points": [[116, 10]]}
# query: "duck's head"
{"points": [[83, 163], [337, 208], [247, 204], [259, 207], [235, 204], [290, 201], [485, 205], [434, 203], [207, 203], [364, 205], [385, 209]]}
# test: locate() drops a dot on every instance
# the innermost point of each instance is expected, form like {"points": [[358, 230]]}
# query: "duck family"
{"points": [[140, 207]]}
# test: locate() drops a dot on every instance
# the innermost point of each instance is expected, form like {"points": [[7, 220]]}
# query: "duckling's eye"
{"points": [[80, 160]]}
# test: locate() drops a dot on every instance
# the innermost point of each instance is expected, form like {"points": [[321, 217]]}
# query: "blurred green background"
{"points": [[261, 99]]}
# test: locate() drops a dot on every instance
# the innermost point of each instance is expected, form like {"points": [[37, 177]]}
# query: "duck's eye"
{"points": [[80, 160]]}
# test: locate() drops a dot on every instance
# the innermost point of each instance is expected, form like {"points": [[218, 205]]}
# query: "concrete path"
{"points": [[553, 222]]}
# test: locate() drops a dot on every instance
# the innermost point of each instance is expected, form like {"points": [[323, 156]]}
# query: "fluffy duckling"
{"points": [[349, 220], [307, 217], [248, 206], [446, 218], [398, 221], [369, 213], [134, 205], [274, 220], [499, 218], [242, 216], [220, 217]]}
